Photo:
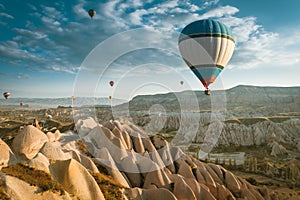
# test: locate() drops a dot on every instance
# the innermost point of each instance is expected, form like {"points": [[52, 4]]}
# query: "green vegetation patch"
{"points": [[109, 187], [34, 177]]}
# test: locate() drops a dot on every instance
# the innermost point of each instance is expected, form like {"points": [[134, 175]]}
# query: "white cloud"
{"points": [[6, 15], [22, 76], [67, 42], [32, 7], [31, 34], [220, 12], [80, 11]]}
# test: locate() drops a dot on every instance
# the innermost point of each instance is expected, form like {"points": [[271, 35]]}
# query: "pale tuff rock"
{"points": [[57, 135], [277, 149], [137, 143], [184, 169], [166, 157], [53, 152], [246, 194], [159, 142], [85, 161], [7, 157], [200, 190], [53, 137], [232, 183], [100, 137], [129, 166], [105, 160], [149, 194], [134, 193], [206, 177], [213, 174], [127, 140], [158, 178], [181, 189], [76, 179], [20, 190], [219, 171], [110, 125], [85, 126], [256, 193], [27, 144], [118, 134], [118, 125], [40, 162], [148, 145], [223, 193], [155, 194], [145, 165]]}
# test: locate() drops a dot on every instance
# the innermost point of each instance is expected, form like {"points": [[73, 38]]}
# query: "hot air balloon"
{"points": [[73, 97], [110, 97], [92, 13], [21, 104], [206, 46], [181, 82], [111, 83], [6, 95]]}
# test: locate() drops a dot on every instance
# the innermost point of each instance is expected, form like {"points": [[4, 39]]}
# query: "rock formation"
{"points": [[145, 166]]}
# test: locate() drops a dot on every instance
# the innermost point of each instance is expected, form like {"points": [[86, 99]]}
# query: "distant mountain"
{"points": [[240, 100], [55, 102]]}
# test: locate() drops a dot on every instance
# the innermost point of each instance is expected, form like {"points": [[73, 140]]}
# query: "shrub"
{"points": [[34, 177], [109, 187]]}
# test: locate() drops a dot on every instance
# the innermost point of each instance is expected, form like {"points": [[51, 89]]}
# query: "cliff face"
{"points": [[236, 131], [115, 155]]}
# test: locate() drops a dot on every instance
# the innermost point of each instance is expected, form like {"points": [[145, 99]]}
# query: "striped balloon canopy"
{"points": [[206, 47]]}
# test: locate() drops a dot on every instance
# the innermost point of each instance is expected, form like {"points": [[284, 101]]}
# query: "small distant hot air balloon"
{"points": [[111, 83], [73, 97], [92, 13], [110, 97], [6, 95], [181, 82], [21, 104], [206, 46]]}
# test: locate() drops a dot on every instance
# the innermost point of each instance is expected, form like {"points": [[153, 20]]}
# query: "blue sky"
{"points": [[45, 46]]}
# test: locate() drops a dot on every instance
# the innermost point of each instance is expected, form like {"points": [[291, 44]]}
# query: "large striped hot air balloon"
{"points": [[206, 47]]}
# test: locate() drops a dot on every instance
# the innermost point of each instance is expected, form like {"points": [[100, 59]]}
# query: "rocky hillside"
{"points": [[253, 115], [111, 161], [241, 100]]}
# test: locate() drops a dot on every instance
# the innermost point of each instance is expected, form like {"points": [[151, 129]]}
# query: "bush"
{"points": [[109, 187], [34, 177]]}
